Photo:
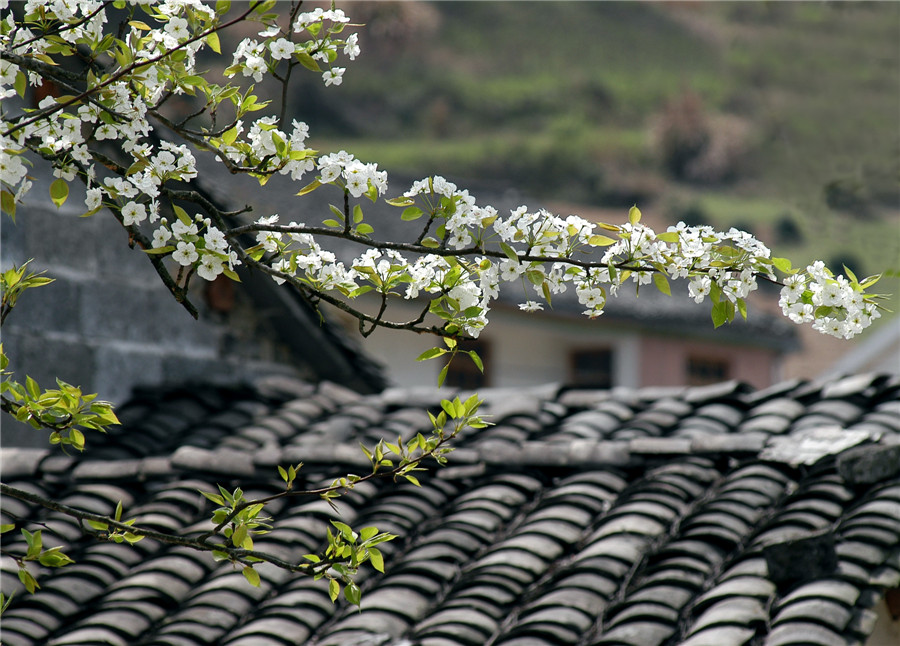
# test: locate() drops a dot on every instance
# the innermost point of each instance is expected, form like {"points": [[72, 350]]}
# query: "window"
{"points": [[463, 373], [705, 370], [592, 368]]}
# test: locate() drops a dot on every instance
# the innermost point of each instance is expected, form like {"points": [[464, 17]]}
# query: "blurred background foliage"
{"points": [[781, 118]]}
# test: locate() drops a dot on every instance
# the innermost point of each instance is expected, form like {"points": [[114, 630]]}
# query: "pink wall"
{"points": [[664, 361]]}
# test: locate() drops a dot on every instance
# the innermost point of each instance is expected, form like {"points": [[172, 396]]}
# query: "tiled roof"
{"points": [[712, 516]]}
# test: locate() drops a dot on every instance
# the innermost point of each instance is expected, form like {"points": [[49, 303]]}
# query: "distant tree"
{"points": [[112, 81]]}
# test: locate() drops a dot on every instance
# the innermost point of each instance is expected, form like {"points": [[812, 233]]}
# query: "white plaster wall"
{"points": [[887, 629], [526, 350]]}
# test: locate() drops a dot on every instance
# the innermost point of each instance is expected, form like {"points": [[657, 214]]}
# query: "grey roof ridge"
{"points": [[22, 462]]}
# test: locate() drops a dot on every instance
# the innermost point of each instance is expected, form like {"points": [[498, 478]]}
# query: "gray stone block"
{"points": [[869, 464], [151, 316], [808, 558], [45, 358], [180, 369], [13, 433], [12, 243], [116, 261], [120, 370], [53, 307], [57, 241]]}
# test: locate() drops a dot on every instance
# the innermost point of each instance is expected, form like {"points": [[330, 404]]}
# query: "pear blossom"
{"points": [[334, 76], [177, 28], [281, 49], [210, 267], [351, 47], [215, 240], [160, 237], [133, 213], [185, 253], [182, 230], [93, 198]]}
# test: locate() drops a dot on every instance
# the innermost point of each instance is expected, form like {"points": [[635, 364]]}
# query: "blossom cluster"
{"points": [[255, 58], [537, 250], [833, 304], [359, 178], [461, 260], [117, 111], [268, 149]]}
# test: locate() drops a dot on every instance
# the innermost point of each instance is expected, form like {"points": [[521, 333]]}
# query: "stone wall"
{"points": [[108, 324]]}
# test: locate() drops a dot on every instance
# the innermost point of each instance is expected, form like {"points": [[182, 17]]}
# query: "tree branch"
{"points": [[237, 554]]}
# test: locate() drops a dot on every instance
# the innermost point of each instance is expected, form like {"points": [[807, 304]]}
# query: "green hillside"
{"points": [[796, 107]]}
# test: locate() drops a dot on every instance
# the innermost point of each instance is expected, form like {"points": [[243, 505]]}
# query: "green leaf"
{"points": [[251, 575], [634, 215], [337, 212], [309, 63], [230, 273], [783, 265], [662, 283], [230, 135], [59, 191], [431, 353], [600, 241], [159, 250], [212, 39], [442, 375], [510, 252], [364, 229], [357, 214], [720, 313], [742, 307], [54, 558], [476, 360], [239, 535], [182, 215], [430, 243], [219, 500], [8, 204], [6, 528], [871, 280], [400, 201], [20, 84], [668, 236], [411, 213], [334, 589], [309, 188], [28, 580], [32, 388], [353, 594], [377, 559], [545, 290]]}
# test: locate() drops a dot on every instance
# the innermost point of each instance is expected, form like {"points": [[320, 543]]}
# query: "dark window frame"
{"points": [[463, 373], [602, 376], [701, 370]]}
